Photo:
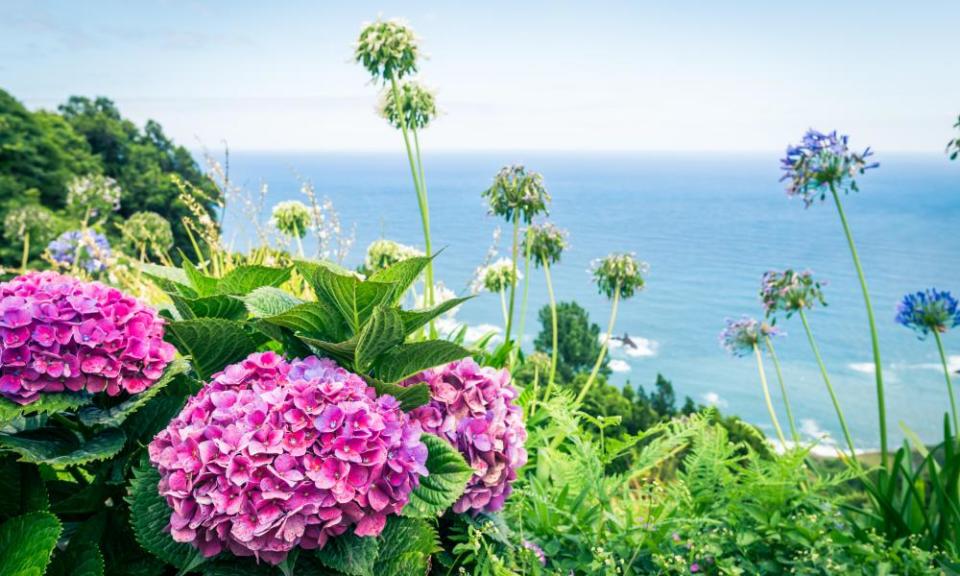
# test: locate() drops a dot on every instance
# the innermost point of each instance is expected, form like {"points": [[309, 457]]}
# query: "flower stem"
{"points": [[425, 214], [874, 339], [603, 348], [826, 380], [554, 333], [946, 374], [513, 284], [783, 390], [523, 300], [26, 253], [766, 397], [503, 303]]}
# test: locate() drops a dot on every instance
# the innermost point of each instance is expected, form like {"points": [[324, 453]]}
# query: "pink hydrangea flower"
{"points": [[472, 408], [273, 454], [58, 333]]}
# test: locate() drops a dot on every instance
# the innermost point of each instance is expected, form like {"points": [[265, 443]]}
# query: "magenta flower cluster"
{"points": [[273, 454], [472, 408], [60, 334]]}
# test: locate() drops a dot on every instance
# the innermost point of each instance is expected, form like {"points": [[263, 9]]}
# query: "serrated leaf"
{"points": [[402, 275], [268, 301], [115, 415], [350, 554], [314, 319], [203, 285], [382, 332], [26, 543], [9, 486], [410, 397], [144, 424], [45, 404], [150, 517], [244, 279], [406, 360], [406, 545], [169, 279], [218, 306], [212, 343], [355, 300], [341, 352], [449, 474], [238, 567], [61, 447], [83, 559], [415, 319]]}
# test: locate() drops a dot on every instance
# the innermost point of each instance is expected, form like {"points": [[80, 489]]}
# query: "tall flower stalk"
{"points": [[768, 343], [933, 312], [546, 243], [741, 338], [791, 292], [822, 164], [516, 195], [618, 276]]}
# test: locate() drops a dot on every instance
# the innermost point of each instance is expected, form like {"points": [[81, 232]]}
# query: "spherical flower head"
{"points": [[739, 337], [388, 49], [32, 219], [417, 103], [271, 455], [473, 409], [619, 273], [383, 253], [86, 248], [93, 195], [821, 162], [517, 194], [291, 218], [928, 311], [147, 230], [497, 276], [59, 334], [547, 243], [790, 291]]}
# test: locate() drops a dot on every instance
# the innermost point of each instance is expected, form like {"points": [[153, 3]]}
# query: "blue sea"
{"points": [[708, 225]]}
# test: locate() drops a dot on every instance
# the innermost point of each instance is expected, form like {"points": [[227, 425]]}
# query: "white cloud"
{"points": [[713, 399], [644, 347], [619, 366]]}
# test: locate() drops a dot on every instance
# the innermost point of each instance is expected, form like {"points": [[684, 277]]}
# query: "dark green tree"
{"points": [[579, 340]]}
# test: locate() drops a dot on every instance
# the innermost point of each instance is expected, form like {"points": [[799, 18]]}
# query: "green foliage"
{"points": [[26, 543], [448, 478], [115, 415], [63, 447], [350, 554], [406, 545], [578, 340], [212, 342]]}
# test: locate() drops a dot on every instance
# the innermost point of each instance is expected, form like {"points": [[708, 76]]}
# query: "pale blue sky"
{"points": [[601, 75]]}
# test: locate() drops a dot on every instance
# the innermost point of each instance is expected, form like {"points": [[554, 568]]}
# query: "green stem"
{"points": [[603, 348], [425, 215], [523, 300], [26, 253], [874, 339], [503, 303], [513, 284], [826, 380], [783, 390], [296, 234], [946, 374], [766, 397], [554, 333]]}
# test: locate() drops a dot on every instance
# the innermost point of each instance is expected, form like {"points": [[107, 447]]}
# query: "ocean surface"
{"points": [[709, 225]]}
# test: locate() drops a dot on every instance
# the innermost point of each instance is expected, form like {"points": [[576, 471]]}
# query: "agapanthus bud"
{"points": [[821, 162], [619, 273], [740, 336], [388, 49], [473, 409], [291, 218], [547, 243], [417, 102], [929, 311], [516, 193], [271, 455], [88, 249], [789, 291], [61, 334], [496, 276], [147, 230], [385, 253], [93, 195]]}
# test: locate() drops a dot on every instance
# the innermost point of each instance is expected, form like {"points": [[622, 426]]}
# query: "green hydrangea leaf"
{"points": [[44, 404], [201, 283], [245, 279], [406, 360], [401, 275], [26, 543], [382, 332], [406, 545], [212, 343], [350, 554], [114, 416], [449, 474], [410, 397], [313, 319], [217, 306], [62, 447], [415, 319], [83, 559], [268, 301]]}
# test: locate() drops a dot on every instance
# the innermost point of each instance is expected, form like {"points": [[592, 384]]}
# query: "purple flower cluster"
{"points": [[821, 162], [739, 337], [928, 311], [59, 334], [472, 408], [537, 551], [790, 291], [91, 247], [273, 454]]}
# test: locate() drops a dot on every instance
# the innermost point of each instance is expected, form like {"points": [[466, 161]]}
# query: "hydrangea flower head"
{"points": [[496, 276], [417, 103], [739, 337], [291, 218], [93, 195], [547, 243], [821, 162], [86, 248], [385, 253], [60, 334], [789, 291], [473, 409], [271, 455], [517, 194], [388, 49], [32, 219], [147, 230], [619, 273], [929, 311]]}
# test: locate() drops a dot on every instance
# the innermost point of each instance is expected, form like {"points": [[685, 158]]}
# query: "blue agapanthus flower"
{"points": [[92, 248], [924, 312], [740, 336], [820, 162]]}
